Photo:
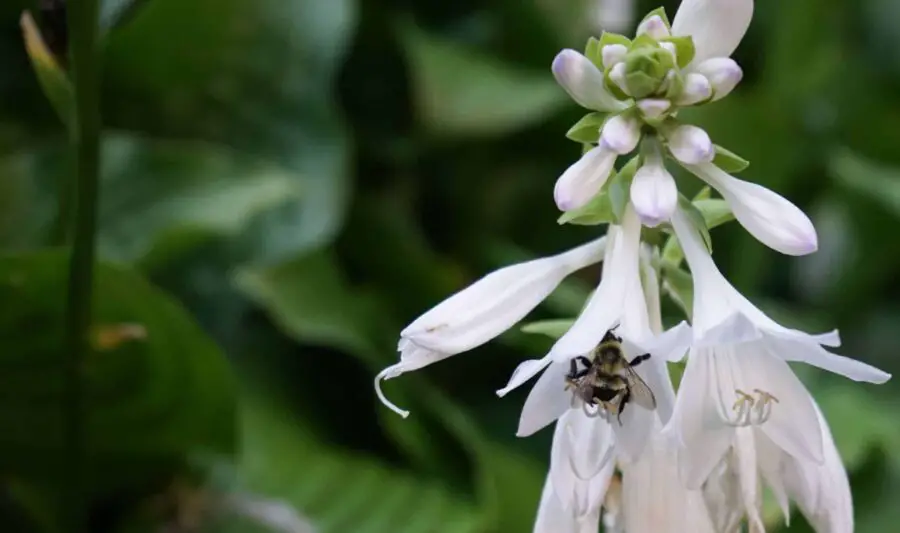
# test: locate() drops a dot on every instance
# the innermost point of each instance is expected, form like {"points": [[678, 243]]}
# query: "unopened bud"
{"points": [[696, 89], [621, 134], [612, 54], [654, 194], [654, 27], [723, 74], [691, 145], [654, 108], [617, 75]]}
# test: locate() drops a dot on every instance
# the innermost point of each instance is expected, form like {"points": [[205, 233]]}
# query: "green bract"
{"points": [[587, 130], [729, 161]]}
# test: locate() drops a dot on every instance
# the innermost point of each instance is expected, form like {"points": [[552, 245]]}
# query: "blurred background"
{"points": [[299, 179]]}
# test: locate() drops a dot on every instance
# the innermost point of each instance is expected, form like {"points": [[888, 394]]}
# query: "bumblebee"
{"points": [[608, 379]]}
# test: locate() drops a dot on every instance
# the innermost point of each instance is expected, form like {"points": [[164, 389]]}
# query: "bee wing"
{"points": [[640, 391]]}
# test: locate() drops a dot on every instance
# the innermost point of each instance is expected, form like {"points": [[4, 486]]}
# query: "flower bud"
{"points": [[617, 75], [723, 74], [696, 89], [654, 27], [583, 81], [691, 145], [621, 134], [671, 48], [612, 54], [645, 70], [653, 108], [654, 194], [584, 179]]}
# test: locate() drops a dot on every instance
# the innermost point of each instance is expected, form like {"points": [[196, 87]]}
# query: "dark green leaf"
{"points": [[461, 92], [878, 182], [157, 388]]}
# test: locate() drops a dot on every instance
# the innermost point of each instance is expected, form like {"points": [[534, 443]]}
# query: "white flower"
{"points": [[738, 374], [583, 81], [723, 74], [716, 26], [653, 193], [618, 300], [769, 217], [654, 500], [584, 179], [480, 312], [612, 54], [822, 491], [579, 476]]}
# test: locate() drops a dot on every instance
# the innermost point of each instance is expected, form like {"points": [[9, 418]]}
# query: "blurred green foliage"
{"points": [[297, 180]]}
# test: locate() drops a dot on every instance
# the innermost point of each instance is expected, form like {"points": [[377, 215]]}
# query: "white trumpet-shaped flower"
{"points": [[768, 216], [485, 309], [738, 375], [618, 301]]}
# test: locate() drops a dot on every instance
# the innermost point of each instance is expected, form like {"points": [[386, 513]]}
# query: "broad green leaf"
{"points": [[679, 286], [151, 190], [715, 211], [598, 211], [729, 161], [460, 92], [338, 490], [587, 130], [878, 182], [156, 387], [697, 219], [551, 328], [257, 77], [620, 187], [54, 81]]}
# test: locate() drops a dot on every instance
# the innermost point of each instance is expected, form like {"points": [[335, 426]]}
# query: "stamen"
{"points": [[389, 373], [752, 411]]}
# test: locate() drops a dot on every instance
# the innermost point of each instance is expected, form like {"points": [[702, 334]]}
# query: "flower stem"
{"points": [[83, 35]]}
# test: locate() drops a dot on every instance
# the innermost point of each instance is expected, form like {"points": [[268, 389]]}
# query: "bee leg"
{"points": [[573, 369], [583, 360], [639, 359], [625, 398]]}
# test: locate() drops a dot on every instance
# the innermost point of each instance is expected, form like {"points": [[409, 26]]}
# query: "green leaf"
{"points": [[587, 130], [672, 253], [308, 299], [460, 92], [715, 211], [153, 190], [257, 77], [679, 285], [156, 387], [54, 81], [620, 187], [878, 182], [697, 219], [644, 41], [729, 161], [551, 328], [597, 211], [704, 194], [684, 49], [594, 52]]}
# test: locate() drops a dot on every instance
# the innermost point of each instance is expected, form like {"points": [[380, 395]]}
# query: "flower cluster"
{"points": [[695, 460]]}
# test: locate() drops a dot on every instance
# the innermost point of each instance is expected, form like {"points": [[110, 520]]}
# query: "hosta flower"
{"points": [[619, 300], [579, 476], [738, 375], [480, 312], [820, 490]]}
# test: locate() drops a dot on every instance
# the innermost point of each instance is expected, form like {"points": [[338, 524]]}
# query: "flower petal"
{"points": [[812, 354], [733, 329], [791, 423], [552, 517], [654, 194], [581, 461], [493, 304], [716, 26], [769, 217], [525, 371], [723, 74], [691, 145], [621, 133], [546, 402], [696, 424], [633, 432], [583, 81], [584, 179]]}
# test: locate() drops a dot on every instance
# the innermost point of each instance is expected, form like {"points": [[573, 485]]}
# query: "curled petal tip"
{"points": [[389, 373]]}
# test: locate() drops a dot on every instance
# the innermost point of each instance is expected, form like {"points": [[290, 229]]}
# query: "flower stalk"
{"points": [[83, 17]]}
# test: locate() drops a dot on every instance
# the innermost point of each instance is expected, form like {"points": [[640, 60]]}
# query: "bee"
{"points": [[608, 379]]}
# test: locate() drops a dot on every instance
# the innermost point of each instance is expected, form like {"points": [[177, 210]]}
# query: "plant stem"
{"points": [[83, 35]]}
